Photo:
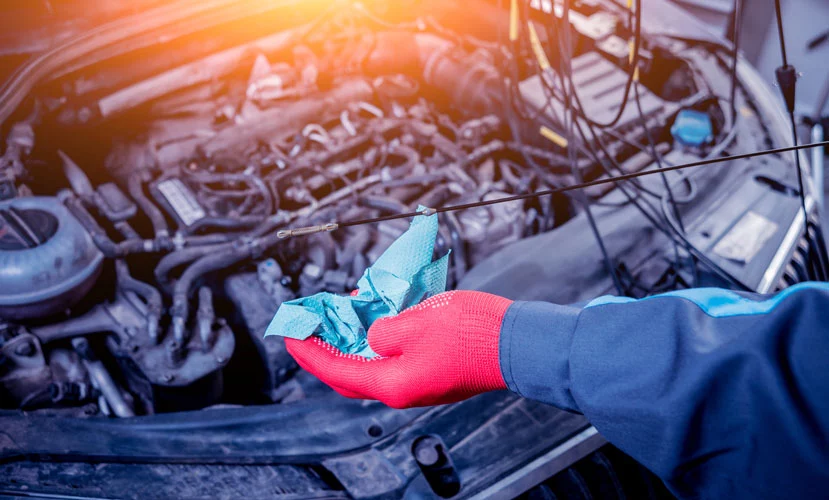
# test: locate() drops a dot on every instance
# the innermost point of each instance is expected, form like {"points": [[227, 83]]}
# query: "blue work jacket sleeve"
{"points": [[721, 394]]}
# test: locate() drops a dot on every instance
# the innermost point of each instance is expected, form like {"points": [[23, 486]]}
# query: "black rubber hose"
{"points": [[136, 190], [459, 249], [240, 223], [206, 264], [383, 204], [181, 257], [147, 292], [109, 248], [127, 231]]}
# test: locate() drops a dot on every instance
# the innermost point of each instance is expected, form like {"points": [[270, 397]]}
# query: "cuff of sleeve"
{"points": [[534, 351]]}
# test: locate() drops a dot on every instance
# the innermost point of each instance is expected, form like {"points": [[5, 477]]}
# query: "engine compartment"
{"points": [[138, 277]]}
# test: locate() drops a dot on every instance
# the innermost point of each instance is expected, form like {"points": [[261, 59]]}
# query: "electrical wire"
{"points": [[735, 51], [669, 192], [564, 189], [654, 153], [779, 16], [522, 20], [632, 72], [671, 228], [567, 62], [659, 163], [786, 77], [651, 213]]}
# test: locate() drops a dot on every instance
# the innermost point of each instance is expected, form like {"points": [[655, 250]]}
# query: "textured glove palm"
{"points": [[442, 350]]}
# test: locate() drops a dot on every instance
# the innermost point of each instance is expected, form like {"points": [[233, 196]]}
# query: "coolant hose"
{"points": [[109, 248], [183, 256], [136, 190]]}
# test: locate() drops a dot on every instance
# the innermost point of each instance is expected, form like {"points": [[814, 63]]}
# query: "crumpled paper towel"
{"points": [[402, 277]]}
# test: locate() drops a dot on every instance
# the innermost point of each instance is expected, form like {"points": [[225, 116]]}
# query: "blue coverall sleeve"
{"points": [[721, 394]]}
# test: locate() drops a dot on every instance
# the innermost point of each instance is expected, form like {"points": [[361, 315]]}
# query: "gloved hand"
{"points": [[443, 350]]}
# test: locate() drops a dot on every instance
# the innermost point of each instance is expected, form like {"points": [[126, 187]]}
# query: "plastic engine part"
{"points": [[47, 260], [692, 128]]}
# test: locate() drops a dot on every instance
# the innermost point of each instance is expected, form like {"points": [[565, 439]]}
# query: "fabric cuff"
{"points": [[534, 351]]}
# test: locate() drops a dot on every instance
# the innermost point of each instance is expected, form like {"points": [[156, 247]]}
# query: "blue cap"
{"points": [[692, 128]]}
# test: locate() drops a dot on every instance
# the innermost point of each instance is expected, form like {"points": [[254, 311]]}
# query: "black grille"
{"points": [[809, 261]]}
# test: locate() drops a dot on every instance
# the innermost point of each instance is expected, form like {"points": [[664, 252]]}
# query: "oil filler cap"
{"points": [[692, 128]]}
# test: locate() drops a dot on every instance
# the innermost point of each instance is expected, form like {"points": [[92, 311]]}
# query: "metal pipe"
{"points": [[94, 321], [822, 99], [135, 186], [205, 317], [147, 292], [817, 163], [102, 380]]}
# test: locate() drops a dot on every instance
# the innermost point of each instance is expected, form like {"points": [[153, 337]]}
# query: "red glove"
{"points": [[442, 350]]}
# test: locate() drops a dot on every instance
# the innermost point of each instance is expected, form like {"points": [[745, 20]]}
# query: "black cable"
{"points": [[669, 229], [668, 191], [786, 80], [598, 140], [571, 151], [575, 172], [658, 159], [735, 50], [574, 187], [634, 63], [654, 153], [779, 15]]}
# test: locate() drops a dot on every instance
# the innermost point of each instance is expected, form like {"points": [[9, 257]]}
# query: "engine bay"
{"points": [[137, 276]]}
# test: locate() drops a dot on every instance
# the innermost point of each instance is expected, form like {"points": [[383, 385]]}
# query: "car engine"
{"points": [[137, 276]]}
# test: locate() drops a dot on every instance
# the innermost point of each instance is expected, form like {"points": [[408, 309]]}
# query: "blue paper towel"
{"points": [[402, 277]]}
